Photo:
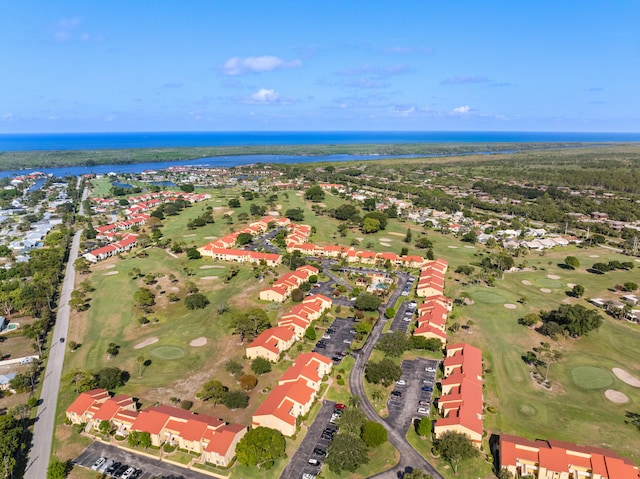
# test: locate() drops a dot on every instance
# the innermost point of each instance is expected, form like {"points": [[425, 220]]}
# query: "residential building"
{"points": [[551, 459]]}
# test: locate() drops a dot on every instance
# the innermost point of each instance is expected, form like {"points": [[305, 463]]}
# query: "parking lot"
{"points": [[336, 340], [413, 393], [299, 464], [404, 317], [150, 467]]}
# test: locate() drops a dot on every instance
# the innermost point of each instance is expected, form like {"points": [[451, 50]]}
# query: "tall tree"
{"points": [[455, 447], [260, 447]]}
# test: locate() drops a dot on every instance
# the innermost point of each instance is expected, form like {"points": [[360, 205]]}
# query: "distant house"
{"points": [[5, 379]]}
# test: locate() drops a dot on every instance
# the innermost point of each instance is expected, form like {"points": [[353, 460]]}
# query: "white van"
{"points": [[314, 462]]}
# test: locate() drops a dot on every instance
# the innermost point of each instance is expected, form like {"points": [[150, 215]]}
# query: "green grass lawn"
{"points": [[576, 409]]}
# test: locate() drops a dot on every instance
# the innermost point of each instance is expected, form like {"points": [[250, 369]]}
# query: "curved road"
{"points": [[40, 450], [409, 457]]}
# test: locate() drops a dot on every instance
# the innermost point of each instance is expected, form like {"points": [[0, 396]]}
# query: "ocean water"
{"points": [[99, 141]]}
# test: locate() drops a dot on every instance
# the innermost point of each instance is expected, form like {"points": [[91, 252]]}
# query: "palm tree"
{"points": [[354, 401], [140, 360]]}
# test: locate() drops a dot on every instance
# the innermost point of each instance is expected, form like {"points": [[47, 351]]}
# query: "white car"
{"points": [[99, 462], [326, 336], [429, 369], [127, 474], [401, 382], [423, 410]]}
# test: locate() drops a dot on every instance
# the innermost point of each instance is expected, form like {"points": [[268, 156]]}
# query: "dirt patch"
{"points": [[510, 306], [146, 342], [198, 342], [526, 282], [111, 273], [170, 253], [545, 290], [322, 205], [360, 238], [211, 266], [278, 207], [209, 277], [553, 276], [626, 378], [616, 397], [570, 285]]}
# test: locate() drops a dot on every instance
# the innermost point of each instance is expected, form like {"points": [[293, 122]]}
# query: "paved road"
{"points": [[43, 431], [409, 457]]}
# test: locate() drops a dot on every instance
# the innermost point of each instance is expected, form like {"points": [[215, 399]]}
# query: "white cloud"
{"points": [[239, 66], [461, 110], [8, 117], [264, 96]]}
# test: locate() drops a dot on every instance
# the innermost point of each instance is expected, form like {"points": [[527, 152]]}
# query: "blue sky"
{"points": [[77, 66]]}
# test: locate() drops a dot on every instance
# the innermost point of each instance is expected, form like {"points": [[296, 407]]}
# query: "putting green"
{"points": [[590, 377], [168, 352], [548, 283], [488, 297]]}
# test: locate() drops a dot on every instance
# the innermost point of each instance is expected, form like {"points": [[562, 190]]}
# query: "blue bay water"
{"points": [[106, 141], [100, 141]]}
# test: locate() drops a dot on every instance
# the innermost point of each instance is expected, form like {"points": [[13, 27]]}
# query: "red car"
{"points": [[340, 406]]}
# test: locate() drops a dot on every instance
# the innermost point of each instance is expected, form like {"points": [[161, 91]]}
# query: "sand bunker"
{"points": [[452, 247], [188, 236], [273, 213], [386, 240], [196, 343], [111, 273], [470, 247], [211, 266], [510, 306], [210, 237], [526, 282], [360, 238], [570, 285], [638, 261], [594, 256], [626, 378], [146, 342], [545, 290], [109, 266], [396, 234], [553, 276], [209, 277], [616, 396]]}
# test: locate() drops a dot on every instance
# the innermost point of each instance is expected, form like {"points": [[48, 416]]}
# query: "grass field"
{"points": [[575, 410]]}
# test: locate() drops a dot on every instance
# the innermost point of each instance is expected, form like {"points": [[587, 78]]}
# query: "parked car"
{"points": [[99, 462], [423, 403], [396, 393], [427, 381], [326, 336], [340, 406], [334, 418], [423, 410], [429, 369], [128, 474], [319, 452], [427, 389], [120, 471], [314, 462], [401, 382], [347, 341], [107, 464], [113, 468]]}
